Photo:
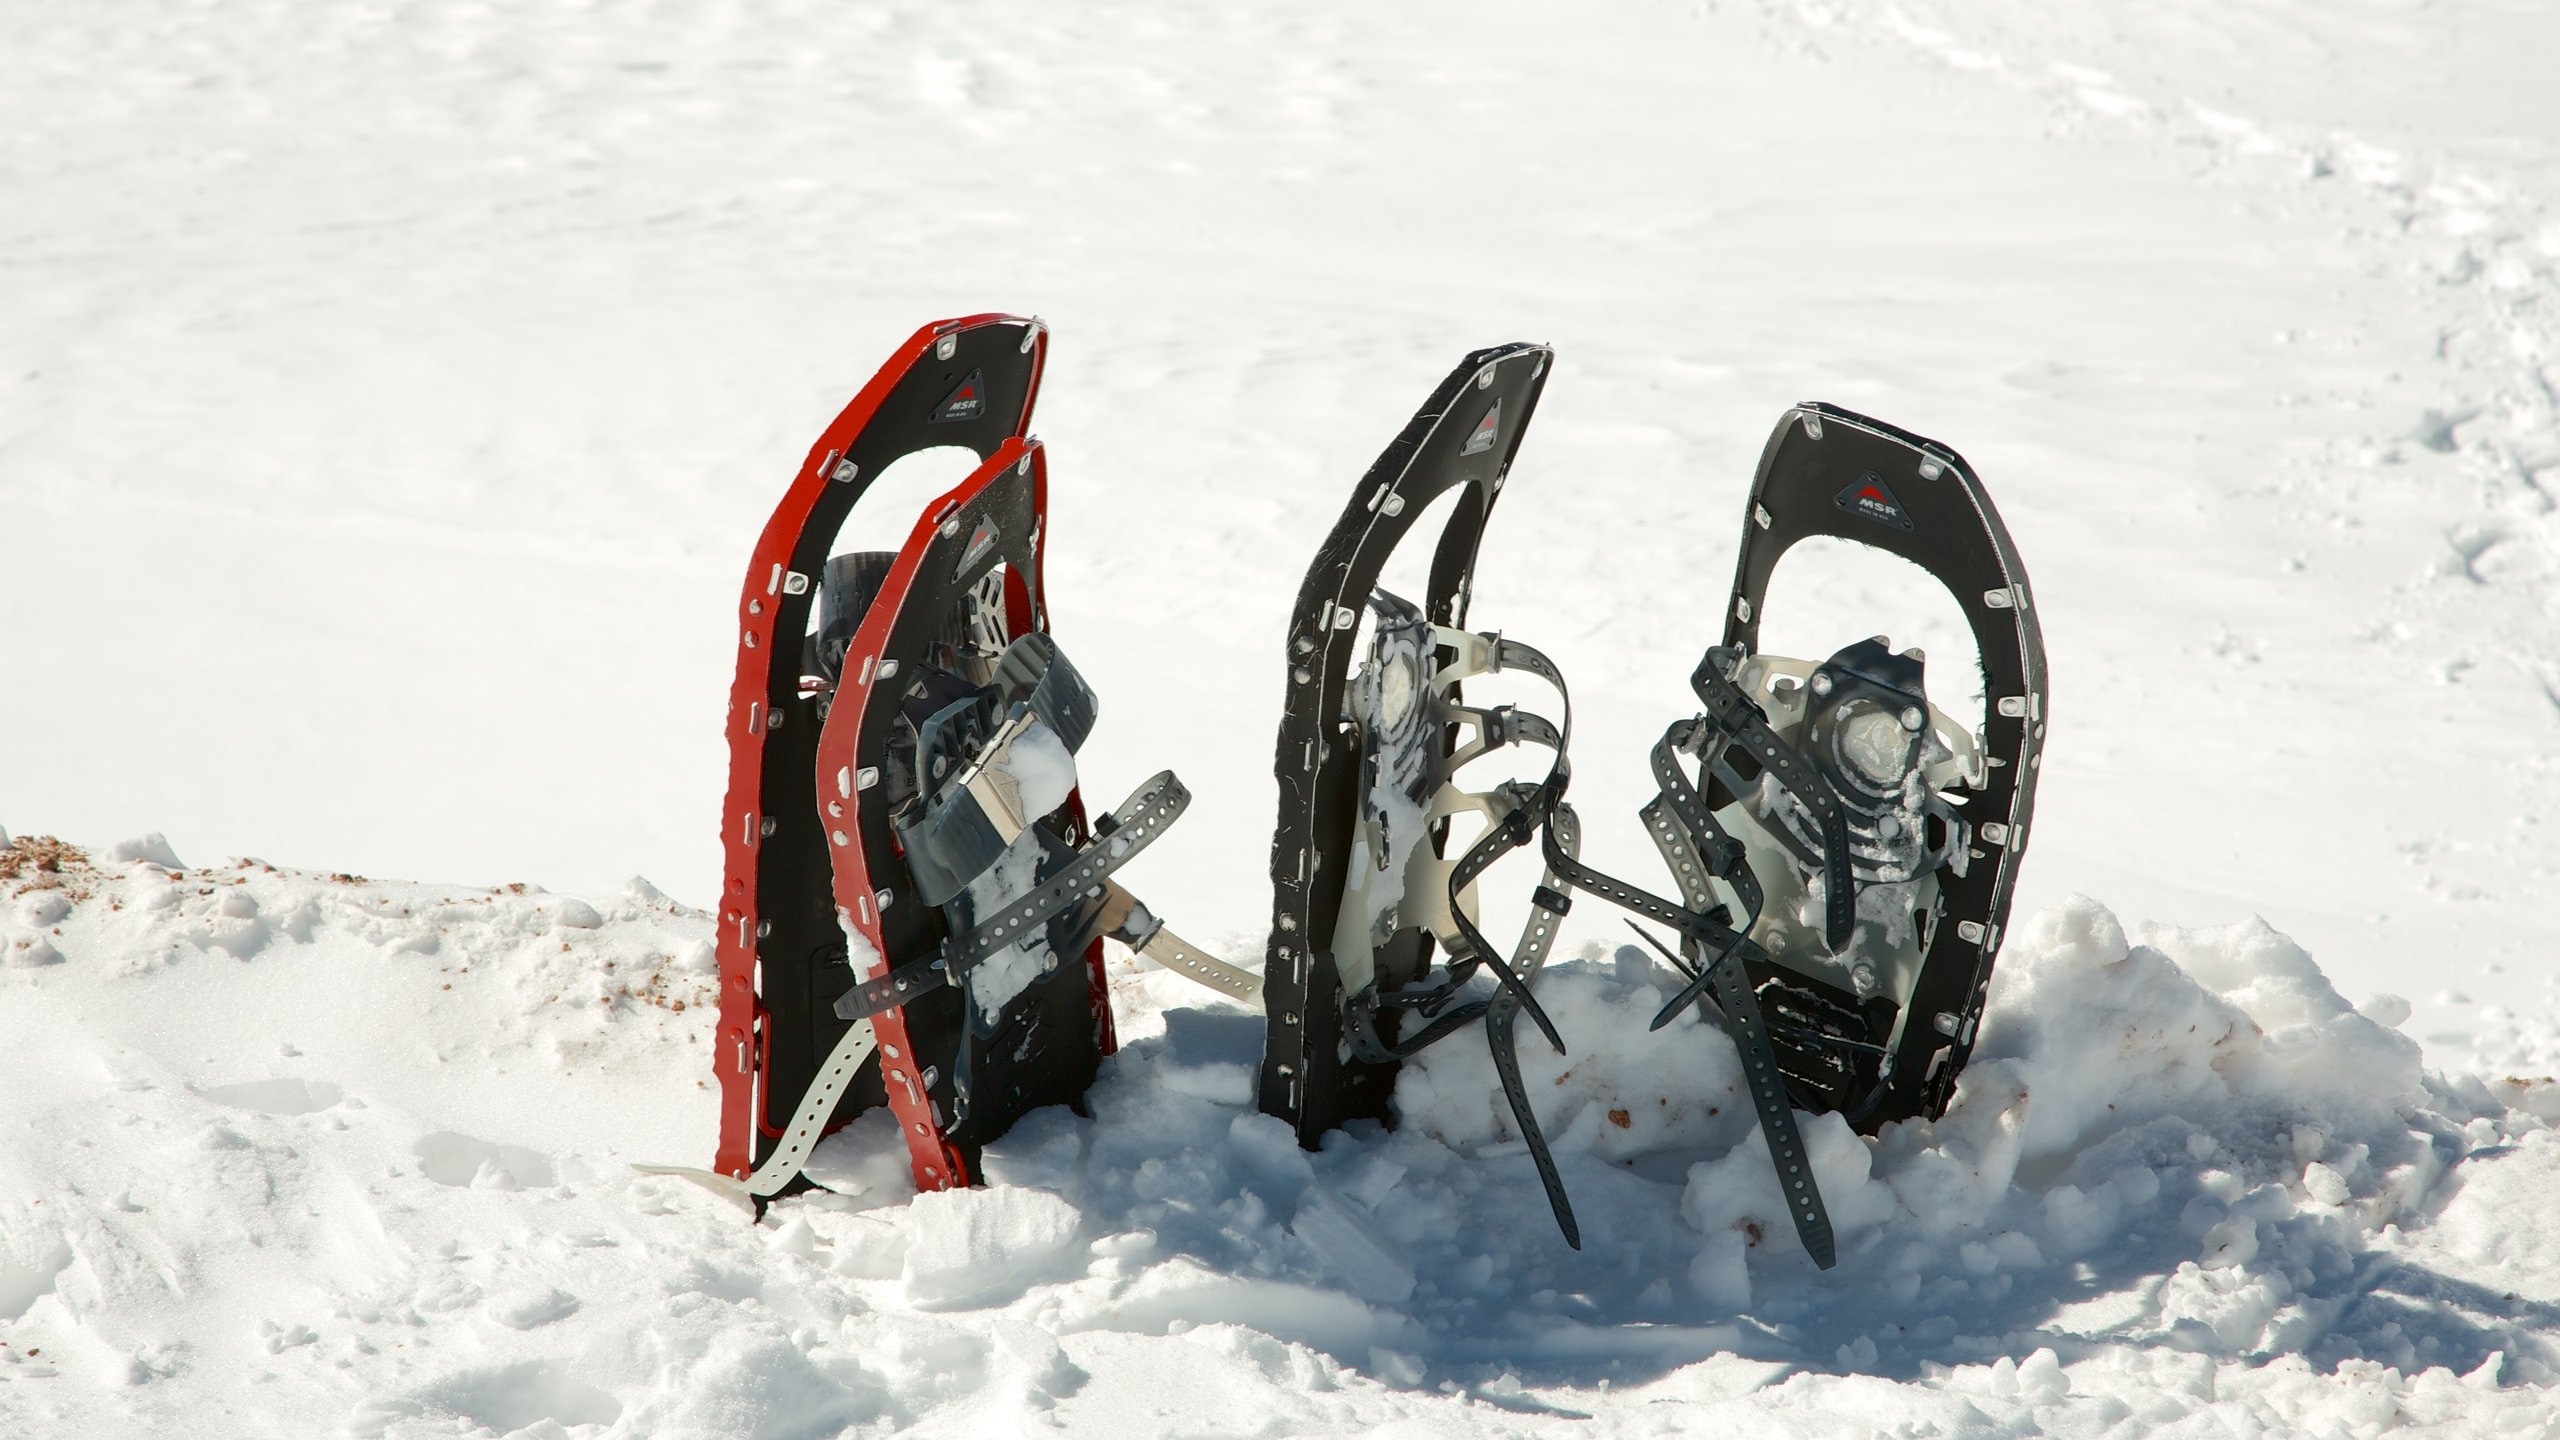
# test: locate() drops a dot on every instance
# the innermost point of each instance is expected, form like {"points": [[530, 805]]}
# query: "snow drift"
{"points": [[2181, 1171]]}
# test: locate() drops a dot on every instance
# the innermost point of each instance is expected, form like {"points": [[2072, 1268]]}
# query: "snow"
{"points": [[2182, 1177], [388, 399]]}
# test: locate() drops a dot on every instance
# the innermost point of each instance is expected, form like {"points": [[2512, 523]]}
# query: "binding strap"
{"points": [[1550, 904], [1530, 810], [1124, 917], [967, 825], [1117, 840], [808, 1122], [1737, 717], [1695, 846], [1707, 933], [1518, 813]]}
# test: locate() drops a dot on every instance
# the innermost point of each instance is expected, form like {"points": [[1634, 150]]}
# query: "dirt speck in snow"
{"points": [[41, 862]]}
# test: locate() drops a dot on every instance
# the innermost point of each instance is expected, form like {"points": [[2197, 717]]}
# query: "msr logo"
{"points": [[1872, 498], [1488, 430], [968, 402]]}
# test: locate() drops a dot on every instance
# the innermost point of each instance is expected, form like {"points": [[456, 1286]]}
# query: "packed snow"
{"points": [[389, 397], [2183, 1177]]}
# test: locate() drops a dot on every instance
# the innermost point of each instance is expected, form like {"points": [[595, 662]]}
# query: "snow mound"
{"points": [[2181, 1174]]}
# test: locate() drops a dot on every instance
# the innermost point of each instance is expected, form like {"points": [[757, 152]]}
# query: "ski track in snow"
{"points": [[398, 388]]}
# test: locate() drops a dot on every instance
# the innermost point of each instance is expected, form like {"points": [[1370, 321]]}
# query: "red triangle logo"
{"points": [[1488, 430], [968, 402], [1872, 498]]}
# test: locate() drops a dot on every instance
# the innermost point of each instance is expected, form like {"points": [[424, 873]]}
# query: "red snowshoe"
{"points": [[915, 900]]}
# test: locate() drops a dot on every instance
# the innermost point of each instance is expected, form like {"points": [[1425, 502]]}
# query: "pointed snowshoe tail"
{"points": [[1936, 808], [781, 951], [1364, 880]]}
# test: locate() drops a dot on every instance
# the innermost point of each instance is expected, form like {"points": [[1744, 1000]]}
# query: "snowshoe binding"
{"points": [[1367, 878], [914, 900]]}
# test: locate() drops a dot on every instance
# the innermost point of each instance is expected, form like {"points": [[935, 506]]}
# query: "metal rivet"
{"points": [[946, 347]]}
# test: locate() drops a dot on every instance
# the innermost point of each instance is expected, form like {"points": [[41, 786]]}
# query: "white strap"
{"points": [[807, 1124]]}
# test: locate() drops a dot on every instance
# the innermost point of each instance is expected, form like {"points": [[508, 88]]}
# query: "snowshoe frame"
{"points": [[1464, 437], [969, 382], [1832, 472]]}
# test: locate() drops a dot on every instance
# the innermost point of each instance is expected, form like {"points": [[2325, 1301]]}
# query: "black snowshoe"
{"points": [[914, 901], [1367, 880], [1936, 808], [1868, 841]]}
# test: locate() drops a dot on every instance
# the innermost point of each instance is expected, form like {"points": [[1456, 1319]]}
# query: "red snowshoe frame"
{"points": [[809, 846]]}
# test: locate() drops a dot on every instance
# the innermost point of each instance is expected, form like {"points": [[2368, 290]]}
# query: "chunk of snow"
{"points": [[151, 849], [974, 1246]]}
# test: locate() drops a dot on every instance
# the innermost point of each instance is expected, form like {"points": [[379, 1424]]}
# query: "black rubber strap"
{"points": [[1677, 818], [1532, 810], [1529, 811], [1135, 825], [1742, 1020], [1741, 718], [1738, 1009], [1707, 929], [1360, 1018], [1501, 1019], [1720, 852]]}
